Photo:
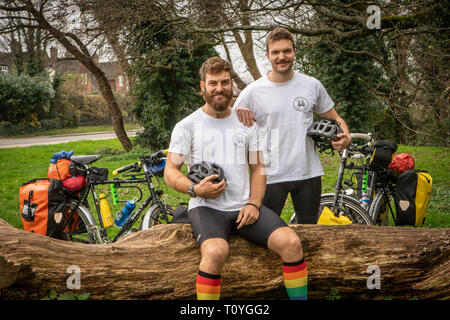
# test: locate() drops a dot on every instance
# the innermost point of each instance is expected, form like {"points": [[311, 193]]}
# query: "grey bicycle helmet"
{"points": [[323, 131], [203, 169]]}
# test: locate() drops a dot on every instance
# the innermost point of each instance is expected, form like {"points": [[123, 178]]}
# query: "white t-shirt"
{"points": [[284, 112], [226, 142]]}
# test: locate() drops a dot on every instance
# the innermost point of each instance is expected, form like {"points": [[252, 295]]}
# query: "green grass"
{"points": [[80, 129], [19, 165]]}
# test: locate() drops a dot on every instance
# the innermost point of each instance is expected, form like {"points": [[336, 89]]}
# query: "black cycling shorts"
{"points": [[305, 196], [211, 223]]}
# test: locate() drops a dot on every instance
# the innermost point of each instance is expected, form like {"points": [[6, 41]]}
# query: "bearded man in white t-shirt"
{"points": [[283, 103], [216, 210]]}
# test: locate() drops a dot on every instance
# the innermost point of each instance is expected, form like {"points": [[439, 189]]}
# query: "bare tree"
{"points": [[399, 27], [51, 16]]}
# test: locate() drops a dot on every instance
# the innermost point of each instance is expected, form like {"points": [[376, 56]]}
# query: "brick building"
{"points": [[79, 78], [84, 81]]}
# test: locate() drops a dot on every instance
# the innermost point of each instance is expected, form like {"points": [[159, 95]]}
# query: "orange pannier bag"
{"points": [[60, 170], [42, 203]]}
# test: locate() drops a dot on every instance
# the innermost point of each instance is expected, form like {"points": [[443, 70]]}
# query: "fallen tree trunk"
{"points": [[161, 263]]}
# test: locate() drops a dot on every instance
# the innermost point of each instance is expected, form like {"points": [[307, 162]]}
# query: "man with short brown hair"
{"points": [[214, 65], [279, 34], [283, 103], [216, 210]]}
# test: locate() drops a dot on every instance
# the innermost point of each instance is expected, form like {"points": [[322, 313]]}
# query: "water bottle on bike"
{"points": [[105, 211], [365, 199], [124, 214]]}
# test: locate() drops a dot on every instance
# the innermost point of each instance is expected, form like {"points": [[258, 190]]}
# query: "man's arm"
{"points": [[257, 178], [249, 214], [173, 175], [245, 116], [241, 105], [178, 181], [345, 138]]}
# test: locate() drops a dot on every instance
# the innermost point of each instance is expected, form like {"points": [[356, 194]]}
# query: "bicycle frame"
{"points": [[154, 197], [366, 187], [136, 214], [338, 187], [373, 182]]}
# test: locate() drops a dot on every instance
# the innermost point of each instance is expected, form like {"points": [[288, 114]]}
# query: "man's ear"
{"points": [[202, 85]]}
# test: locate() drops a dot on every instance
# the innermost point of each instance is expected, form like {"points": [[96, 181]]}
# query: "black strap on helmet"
{"points": [[323, 132], [203, 169]]}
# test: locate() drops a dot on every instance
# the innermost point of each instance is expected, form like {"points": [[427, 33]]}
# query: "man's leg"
{"points": [[270, 231], [212, 232], [285, 242], [306, 200], [213, 255], [275, 197]]}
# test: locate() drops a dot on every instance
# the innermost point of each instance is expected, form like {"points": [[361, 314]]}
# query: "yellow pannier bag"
{"points": [[327, 217], [412, 195]]}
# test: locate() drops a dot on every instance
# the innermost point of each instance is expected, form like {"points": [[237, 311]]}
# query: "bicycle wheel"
{"points": [[155, 216], [347, 206], [379, 210], [82, 228]]}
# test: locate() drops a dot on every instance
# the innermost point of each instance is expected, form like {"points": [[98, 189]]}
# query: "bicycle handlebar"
{"points": [[364, 136], [126, 168], [150, 159]]}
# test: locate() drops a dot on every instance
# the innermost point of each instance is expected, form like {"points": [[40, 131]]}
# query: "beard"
{"points": [[218, 105], [284, 70]]}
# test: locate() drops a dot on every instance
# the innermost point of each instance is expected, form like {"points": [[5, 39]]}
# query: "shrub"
{"points": [[24, 99]]}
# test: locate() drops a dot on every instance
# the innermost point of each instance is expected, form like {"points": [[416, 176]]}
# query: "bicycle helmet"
{"points": [[203, 169], [324, 131]]}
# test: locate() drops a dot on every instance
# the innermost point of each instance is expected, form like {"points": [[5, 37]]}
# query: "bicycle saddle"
{"points": [[87, 159]]}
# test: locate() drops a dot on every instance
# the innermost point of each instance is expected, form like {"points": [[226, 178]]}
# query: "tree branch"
{"points": [[362, 52]]}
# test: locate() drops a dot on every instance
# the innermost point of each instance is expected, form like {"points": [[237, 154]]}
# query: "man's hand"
{"points": [[208, 190], [343, 142], [247, 215], [245, 116]]}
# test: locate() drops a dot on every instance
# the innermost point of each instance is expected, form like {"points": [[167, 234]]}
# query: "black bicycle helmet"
{"points": [[203, 169], [324, 131]]}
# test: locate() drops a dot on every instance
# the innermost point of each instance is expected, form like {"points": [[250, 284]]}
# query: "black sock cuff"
{"points": [[291, 264], [208, 275]]}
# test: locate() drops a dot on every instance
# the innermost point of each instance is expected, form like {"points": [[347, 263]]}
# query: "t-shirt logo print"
{"points": [[300, 104], [239, 140]]}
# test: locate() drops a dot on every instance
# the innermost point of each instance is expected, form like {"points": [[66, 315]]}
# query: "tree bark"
{"points": [[162, 263]]}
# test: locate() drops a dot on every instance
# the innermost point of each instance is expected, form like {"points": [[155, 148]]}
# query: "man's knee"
{"points": [[214, 251], [292, 242], [286, 243]]}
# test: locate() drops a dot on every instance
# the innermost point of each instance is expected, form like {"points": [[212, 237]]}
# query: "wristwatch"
{"points": [[191, 192]]}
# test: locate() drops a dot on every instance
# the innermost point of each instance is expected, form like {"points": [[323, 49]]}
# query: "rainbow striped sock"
{"points": [[208, 286], [296, 279]]}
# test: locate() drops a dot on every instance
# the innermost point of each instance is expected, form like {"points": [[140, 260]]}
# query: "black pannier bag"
{"points": [[412, 195], [181, 214], [97, 174], [383, 151]]}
